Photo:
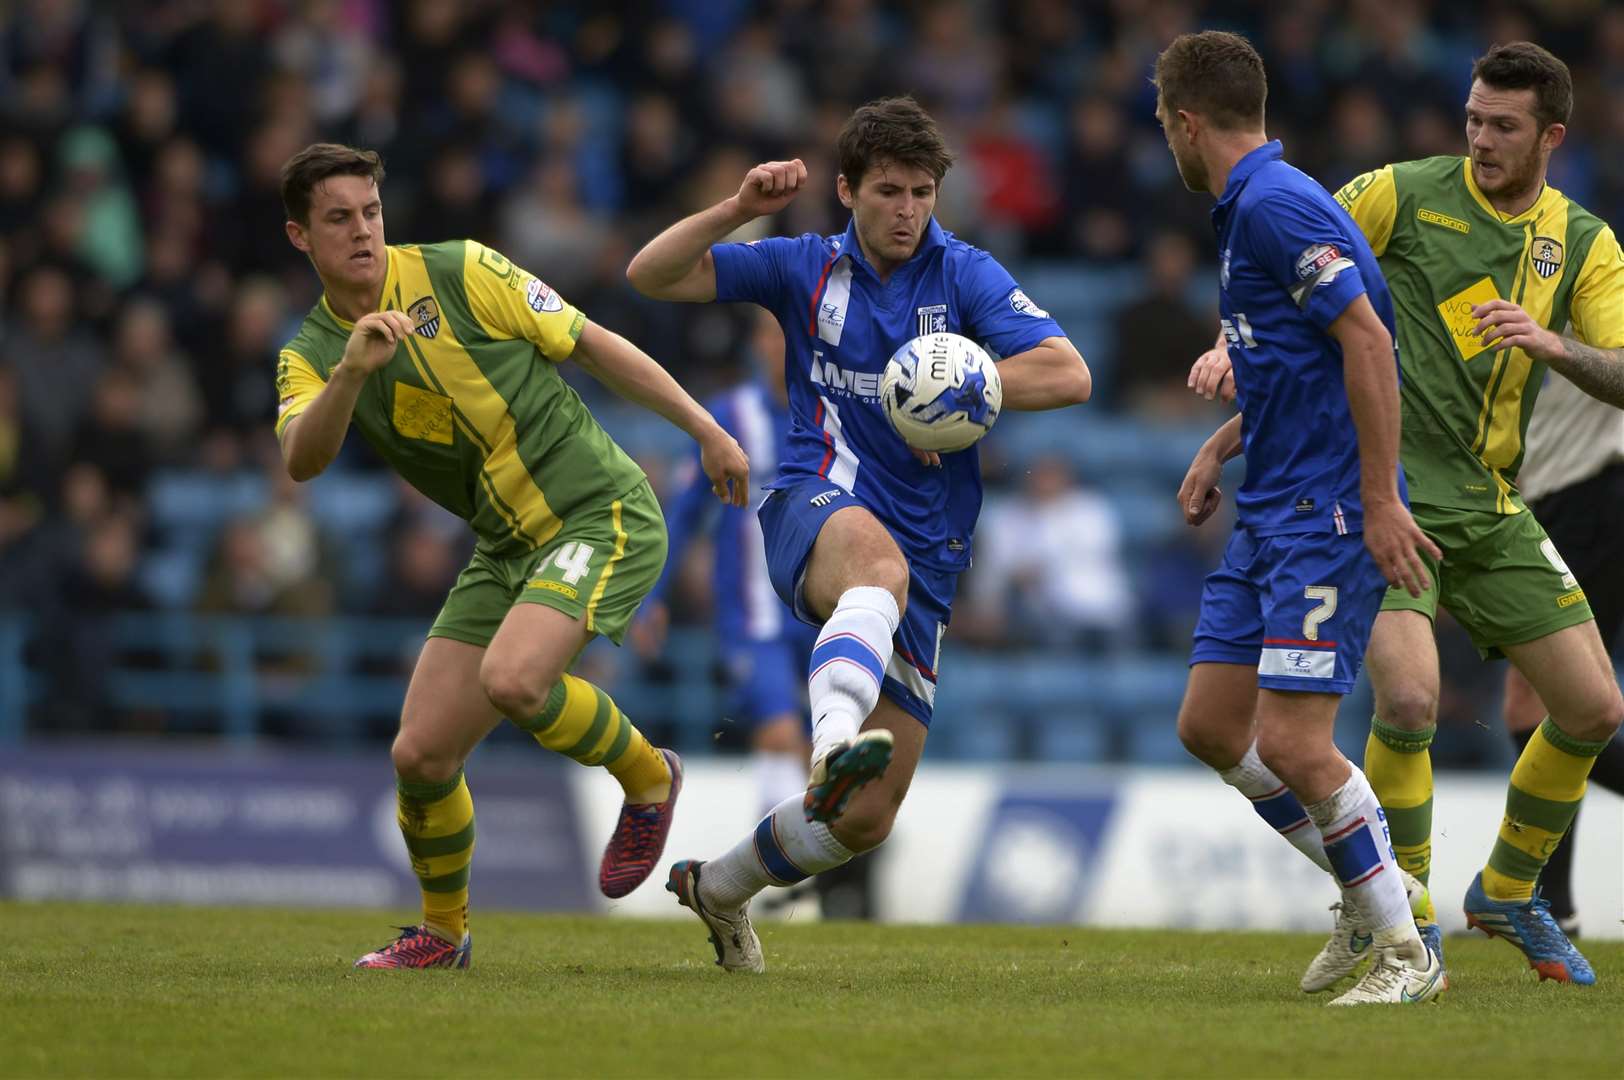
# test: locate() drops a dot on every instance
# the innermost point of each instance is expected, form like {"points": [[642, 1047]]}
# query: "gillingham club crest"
{"points": [[1546, 255]]}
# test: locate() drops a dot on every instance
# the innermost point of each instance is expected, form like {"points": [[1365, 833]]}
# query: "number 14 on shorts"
{"points": [[562, 571]]}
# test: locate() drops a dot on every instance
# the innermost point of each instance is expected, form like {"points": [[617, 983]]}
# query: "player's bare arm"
{"points": [[1199, 495], [635, 376], [1371, 378], [1598, 372], [677, 264], [312, 439], [1050, 375]]}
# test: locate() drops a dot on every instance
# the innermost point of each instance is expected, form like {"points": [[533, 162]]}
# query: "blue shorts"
{"points": [[767, 679], [1299, 607], [791, 518]]}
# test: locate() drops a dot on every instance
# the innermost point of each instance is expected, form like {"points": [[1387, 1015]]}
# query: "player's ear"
{"points": [[1552, 136], [296, 236], [843, 190]]}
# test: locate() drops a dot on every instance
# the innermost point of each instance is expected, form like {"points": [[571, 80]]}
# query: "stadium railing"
{"points": [[340, 680]]}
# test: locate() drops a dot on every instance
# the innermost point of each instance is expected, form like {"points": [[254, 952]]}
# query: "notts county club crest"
{"points": [[425, 315], [1547, 256]]}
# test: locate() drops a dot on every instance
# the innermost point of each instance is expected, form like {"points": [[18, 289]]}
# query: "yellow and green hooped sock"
{"points": [[1400, 772], [437, 821], [583, 723], [1546, 786]]}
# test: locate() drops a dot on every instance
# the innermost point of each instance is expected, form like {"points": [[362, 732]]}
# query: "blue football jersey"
{"points": [[747, 608], [841, 324], [1291, 262]]}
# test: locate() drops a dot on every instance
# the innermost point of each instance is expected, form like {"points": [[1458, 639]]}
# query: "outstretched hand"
{"points": [[726, 466]]}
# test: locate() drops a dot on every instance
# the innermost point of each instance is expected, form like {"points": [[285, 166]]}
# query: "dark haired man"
{"points": [[445, 356], [1322, 527], [865, 537], [1489, 265]]}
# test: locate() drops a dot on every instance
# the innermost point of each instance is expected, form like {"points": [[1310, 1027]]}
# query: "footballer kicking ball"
{"points": [[942, 392]]}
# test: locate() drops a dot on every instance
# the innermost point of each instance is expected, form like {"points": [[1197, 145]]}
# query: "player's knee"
{"points": [[1597, 718], [1207, 744], [418, 759], [863, 829], [519, 693], [1411, 707], [1288, 757]]}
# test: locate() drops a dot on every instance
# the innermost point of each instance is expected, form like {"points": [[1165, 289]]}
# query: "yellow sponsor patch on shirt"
{"points": [[1457, 315], [1432, 217], [1567, 600], [422, 414]]}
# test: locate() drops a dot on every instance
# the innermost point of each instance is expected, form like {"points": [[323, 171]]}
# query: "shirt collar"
{"points": [[933, 237], [1246, 166], [1547, 196]]}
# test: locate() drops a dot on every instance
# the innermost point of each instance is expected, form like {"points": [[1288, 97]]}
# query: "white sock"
{"points": [[778, 777], [784, 848], [848, 664], [1276, 805], [1356, 842]]}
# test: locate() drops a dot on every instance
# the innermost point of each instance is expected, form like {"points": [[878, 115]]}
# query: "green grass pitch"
{"points": [[136, 991]]}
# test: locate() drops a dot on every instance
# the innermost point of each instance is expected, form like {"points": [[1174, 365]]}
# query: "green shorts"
{"points": [[599, 566], [1501, 578]]}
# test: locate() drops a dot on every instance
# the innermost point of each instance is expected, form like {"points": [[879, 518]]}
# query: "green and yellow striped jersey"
{"points": [[1444, 249], [469, 411]]}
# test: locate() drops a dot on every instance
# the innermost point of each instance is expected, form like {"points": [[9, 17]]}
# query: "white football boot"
{"points": [[1348, 947], [1349, 944], [1393, 980], [731, 935]]}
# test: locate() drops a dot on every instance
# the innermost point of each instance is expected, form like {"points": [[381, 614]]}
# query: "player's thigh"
{"points": [[1573, 676], [822, 540], [852, 549], [587, 580], [1506, 582], [531, 651], [1403, 664], [446, 712], [1215, 718]]}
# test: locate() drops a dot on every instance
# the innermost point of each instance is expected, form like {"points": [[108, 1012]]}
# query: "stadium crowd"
{"points": [[147, 284]]}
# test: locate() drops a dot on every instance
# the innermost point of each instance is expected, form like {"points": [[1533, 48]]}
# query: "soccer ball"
{"points": [[942, 392]]}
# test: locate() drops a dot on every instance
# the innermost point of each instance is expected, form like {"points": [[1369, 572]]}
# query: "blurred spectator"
{"points": [[1049, 567], [1098, 200], [1159, 335], [551, 234], [269, 563], [111, 239], [237, 376], [56, 360], [168, 406], [111, 437]]}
